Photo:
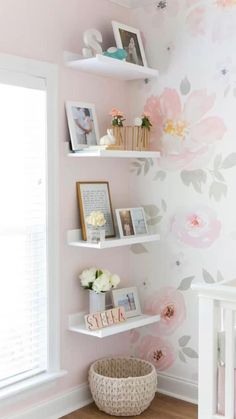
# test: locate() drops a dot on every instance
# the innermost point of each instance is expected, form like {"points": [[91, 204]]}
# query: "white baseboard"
{"points": [[60, 406], [80, 396], [178, 388]]}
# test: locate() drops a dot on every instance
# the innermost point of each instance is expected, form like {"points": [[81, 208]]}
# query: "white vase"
{"points": [[97, 302]]}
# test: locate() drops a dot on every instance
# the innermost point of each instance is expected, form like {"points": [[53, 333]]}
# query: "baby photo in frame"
{"points": [[130, 40], [127, 298], [131, 222]]}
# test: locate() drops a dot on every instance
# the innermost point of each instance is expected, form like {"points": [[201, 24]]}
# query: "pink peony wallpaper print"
{"points": [[189, 192]]}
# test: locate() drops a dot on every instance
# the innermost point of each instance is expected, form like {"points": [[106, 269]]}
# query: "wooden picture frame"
{"points": [[127, 298], [83, 125], [130, 40], [131, 222], [95, 196]]}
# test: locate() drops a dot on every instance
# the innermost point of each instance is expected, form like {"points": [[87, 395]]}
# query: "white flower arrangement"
{"points": [[96, 219], [98, 280]]}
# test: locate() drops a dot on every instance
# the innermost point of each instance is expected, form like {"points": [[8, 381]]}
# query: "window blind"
{"points": [[23, 228]]}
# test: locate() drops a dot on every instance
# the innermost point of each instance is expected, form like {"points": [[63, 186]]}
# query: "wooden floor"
{"points": [[163, 407]]}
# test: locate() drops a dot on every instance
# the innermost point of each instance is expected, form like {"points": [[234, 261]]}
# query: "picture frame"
{"points": [[129, 39], [127, 298], [131, 222], [95, 196], [82, 124]]}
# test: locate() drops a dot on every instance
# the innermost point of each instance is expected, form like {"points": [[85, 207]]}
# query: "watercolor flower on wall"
{"points": [[170, 304], [186, 131], [196, 21], [224, 23], [158, 351], [196, 227]]}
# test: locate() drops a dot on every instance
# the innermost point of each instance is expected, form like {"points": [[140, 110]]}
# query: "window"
{"points": [[28, 332]]}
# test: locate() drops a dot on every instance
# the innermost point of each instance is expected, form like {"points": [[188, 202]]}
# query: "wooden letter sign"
{"points": [[105, 318]]}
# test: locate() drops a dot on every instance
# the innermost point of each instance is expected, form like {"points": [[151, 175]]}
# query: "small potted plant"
{"points": [[98, 282], [117, 117], [143, 125], [117, 124], [96, 230]]}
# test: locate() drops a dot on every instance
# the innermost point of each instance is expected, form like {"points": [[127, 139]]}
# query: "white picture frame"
{"points": [[83, 125], [129, 39], [131, 222], [127, 298]]}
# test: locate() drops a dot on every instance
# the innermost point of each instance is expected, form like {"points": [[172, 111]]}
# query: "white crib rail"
{"points": [[212, 300]]}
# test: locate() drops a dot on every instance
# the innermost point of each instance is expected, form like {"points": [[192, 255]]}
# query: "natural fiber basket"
{"points": [[122, 386]]}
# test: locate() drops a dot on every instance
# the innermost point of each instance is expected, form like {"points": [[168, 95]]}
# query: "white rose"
{"points": [[102, 283], [115, 280], [88, 276], [138, 122], [96, 219]]}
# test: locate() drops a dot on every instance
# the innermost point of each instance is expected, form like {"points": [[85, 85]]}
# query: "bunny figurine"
{"points": [[108, 139]]}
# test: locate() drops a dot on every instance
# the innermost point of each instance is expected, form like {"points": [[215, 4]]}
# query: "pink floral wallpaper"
{"points": [[189, 192]]}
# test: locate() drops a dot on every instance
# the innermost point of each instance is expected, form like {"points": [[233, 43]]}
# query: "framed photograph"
{"points": [[131, 222], [127, 298], [129, 39], [95, 196], [82, 123]]}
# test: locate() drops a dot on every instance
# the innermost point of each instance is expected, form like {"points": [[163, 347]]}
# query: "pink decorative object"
{"points": [[170, 304], [158, 351], [186, 123], [197, 227], [105, 318]]}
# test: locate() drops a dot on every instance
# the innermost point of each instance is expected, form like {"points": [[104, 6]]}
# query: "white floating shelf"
{"points": [[116, 154], [132, 4], [74, 239], [77, 324], [109, 67]]}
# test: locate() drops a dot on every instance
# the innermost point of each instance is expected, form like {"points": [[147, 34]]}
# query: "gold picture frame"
{"points": [[95, 196]]}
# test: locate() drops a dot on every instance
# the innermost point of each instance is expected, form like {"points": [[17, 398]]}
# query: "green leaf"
{"points": [[191, 353], [185, 86], [218, 190], [184, 341], [146, 167], [196, 178], [208, 278], [154, 221], [151, 210], [186, 283], [219, 176], [182, 357], [229, 161], [164, 205], [160, 175], [138, 249]]}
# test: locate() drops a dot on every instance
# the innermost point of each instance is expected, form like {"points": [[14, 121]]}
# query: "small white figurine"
{"points": [[92, 39], [108, 139]]}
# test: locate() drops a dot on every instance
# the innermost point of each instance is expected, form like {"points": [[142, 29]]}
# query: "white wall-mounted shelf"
{"points": [[74, 238], [116, 154], [77, 324], [132, 4], [109, 67]]}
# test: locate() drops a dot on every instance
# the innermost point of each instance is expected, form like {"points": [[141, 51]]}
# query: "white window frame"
{"points": [[49, 73]]}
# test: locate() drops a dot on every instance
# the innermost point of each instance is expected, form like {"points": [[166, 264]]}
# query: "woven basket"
{"points": [[122, 386]]}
